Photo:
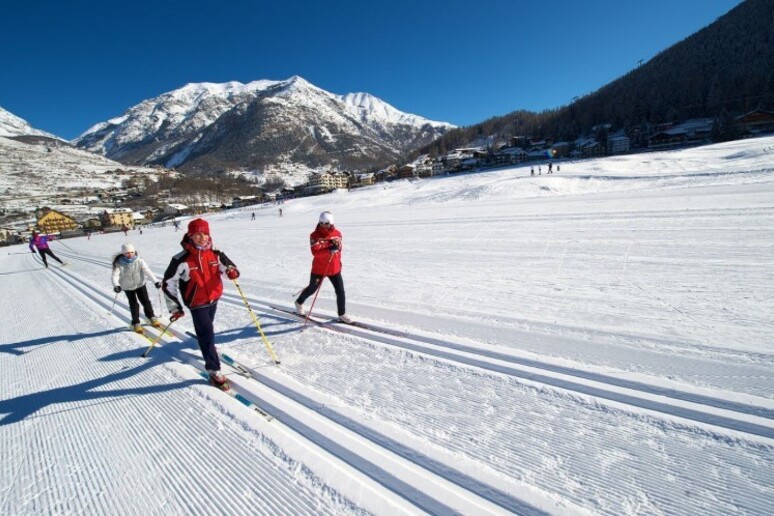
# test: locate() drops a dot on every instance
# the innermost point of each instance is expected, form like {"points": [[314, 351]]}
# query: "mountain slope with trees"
{"points": [[725, 69]]}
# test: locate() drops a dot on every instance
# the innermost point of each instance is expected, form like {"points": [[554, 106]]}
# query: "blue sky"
{"points": [[65, 66]]}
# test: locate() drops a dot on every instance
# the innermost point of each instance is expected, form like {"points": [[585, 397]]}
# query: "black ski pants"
{"points": [[338, 286], [203, 318], [141, 295], [47, 251]]}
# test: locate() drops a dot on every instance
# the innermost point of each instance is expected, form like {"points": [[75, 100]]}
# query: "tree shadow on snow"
{"points": [[19, 408], [17, 348]]}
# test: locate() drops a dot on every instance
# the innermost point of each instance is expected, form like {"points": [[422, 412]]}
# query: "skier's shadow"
{"points": [[249, 331], [18, 348], [22, 407]]}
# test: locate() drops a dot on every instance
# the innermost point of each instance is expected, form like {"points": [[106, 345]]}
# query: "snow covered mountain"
{"points": [[261, 126], [12, 125]]}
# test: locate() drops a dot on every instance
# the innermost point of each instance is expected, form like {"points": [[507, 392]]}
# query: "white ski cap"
{"points": [[127, 248], [326, 217]]}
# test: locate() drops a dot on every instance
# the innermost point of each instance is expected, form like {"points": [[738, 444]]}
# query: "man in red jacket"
{"points": [[194, 274], [325, 244]]}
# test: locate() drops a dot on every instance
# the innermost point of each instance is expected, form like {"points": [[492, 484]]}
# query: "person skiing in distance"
{"points": [[41, 242], [129, 274], [195, 275], [326, 244]]}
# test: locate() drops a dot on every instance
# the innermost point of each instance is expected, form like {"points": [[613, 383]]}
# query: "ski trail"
{"points": [[98, 425]]}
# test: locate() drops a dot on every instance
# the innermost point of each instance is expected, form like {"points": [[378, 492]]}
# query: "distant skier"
{"points": [[280, 212], [253, 218], [41, 242], [195, 275], [532, 171], [325, 243], [549, 167], [129, 274]]}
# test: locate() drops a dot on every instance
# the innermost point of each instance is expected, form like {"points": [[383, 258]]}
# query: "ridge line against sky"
{"points": [[69, 65]]}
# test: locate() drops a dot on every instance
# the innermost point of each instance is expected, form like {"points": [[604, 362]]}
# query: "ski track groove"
{"points": [[430, 429], [77, 479], [525, 459]]}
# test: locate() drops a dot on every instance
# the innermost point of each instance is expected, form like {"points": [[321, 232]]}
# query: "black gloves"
{"points": [[116, 289], [157, 284]]}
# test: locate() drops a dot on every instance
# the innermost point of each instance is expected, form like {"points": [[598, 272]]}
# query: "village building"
{"points": [[755, 123], [117, 217], [327, 181], [618, 143], [691, 132], [176, 209], [55, 222]]}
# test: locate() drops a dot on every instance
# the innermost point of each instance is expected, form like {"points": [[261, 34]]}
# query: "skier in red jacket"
{"points": [[326, 246], [194, 274]]}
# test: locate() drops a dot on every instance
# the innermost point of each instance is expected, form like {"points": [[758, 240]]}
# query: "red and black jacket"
{"points": [[194, 274]]}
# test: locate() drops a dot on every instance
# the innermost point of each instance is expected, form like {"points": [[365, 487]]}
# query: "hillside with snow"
{"points": [[33, 170], [595, 341], [12, 125], [262, 126]]}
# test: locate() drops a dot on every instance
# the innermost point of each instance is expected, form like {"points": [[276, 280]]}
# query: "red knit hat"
{"points": [[198, 226]]}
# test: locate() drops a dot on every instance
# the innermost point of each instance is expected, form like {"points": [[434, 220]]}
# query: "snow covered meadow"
{"points": [[596, 341]]}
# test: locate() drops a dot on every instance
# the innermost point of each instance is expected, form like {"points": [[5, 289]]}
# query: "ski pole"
{"points": [[257, 324], [113, 305], [319, 287], [158, 338], [18, 253]]}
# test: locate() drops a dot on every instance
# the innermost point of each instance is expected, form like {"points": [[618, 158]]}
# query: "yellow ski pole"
{"points": [[257, 324], [157, 339]]}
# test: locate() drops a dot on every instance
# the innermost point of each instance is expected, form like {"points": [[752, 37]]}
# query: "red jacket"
{"points": [[325, 263], [195, 275]]}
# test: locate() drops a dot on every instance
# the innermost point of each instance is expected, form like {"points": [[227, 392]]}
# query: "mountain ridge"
{"points": [[206, 127]]}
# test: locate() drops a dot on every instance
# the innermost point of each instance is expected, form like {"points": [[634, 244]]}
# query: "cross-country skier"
{"points": [[129, 274], [325, 244], [41, 242], [195, 275]]}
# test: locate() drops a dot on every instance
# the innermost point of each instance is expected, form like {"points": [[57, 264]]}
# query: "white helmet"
{"points": [[326, 217], [127, 248]]}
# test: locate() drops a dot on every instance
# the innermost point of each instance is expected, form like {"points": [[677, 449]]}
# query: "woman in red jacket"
{"points": [[325, 243], [194, 275]]}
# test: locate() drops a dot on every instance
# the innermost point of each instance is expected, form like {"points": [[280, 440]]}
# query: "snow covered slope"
{"points": [[12, 125], [39, 167], [595, 341]]}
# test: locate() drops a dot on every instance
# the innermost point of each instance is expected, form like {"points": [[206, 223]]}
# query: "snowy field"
{"points": [[596, 341]]}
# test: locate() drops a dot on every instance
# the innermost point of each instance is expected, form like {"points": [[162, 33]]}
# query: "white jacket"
{"points": [[131, 276]]}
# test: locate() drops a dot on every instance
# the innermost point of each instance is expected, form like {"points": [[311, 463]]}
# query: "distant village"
{"points": [[130, 207]]}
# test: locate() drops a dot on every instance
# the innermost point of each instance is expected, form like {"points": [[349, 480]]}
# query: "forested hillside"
{"points": [[723, 70]]}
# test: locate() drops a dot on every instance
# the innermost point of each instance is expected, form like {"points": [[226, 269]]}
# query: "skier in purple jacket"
{"points": [[41, 242]]}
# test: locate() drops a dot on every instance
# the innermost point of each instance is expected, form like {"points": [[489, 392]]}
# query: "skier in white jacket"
{"points": [[129, 274]]}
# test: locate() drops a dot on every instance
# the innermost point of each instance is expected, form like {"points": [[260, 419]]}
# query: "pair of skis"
{"points": [[226, 386]]}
